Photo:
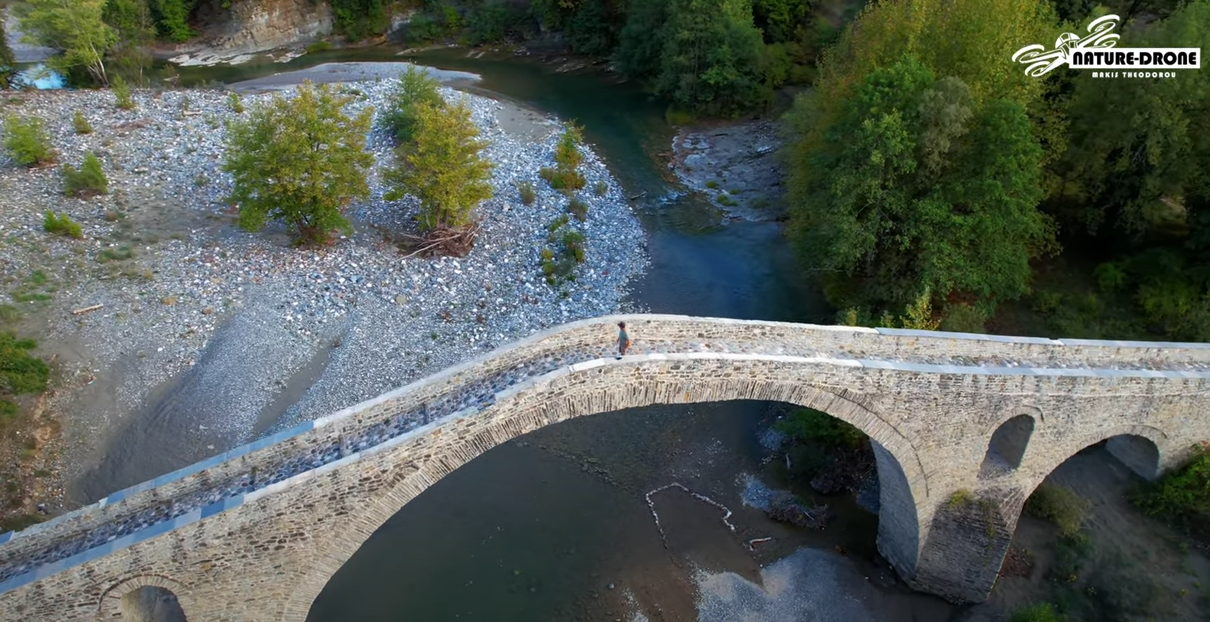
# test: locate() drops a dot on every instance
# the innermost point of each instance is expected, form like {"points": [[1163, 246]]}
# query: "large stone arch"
{"points": [[578, 392], [1165, 454], [109, 605]]}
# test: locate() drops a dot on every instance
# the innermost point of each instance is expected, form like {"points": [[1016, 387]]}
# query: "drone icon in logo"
{"points": [[1041, 61]]}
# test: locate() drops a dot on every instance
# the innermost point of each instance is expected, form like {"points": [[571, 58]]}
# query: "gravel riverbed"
{"points": [[183, 288]]}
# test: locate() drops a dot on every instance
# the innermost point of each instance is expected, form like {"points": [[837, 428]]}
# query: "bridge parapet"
{"points": [[210, 486]]}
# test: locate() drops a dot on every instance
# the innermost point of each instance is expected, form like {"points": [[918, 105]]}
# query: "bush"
{"points": [[528, 194], [1110, 276], [1182, 495], [26, 141], [415, 88], [278, 173], [962, 318], [567, 159], [86, 181], [679, 116], [1059, 505], [1040, 612], [121, 91], [806, 424], [20, 373], [600, 189], [80, 123], [318, 46], [579, 209], [233, 101], [62, 225]]}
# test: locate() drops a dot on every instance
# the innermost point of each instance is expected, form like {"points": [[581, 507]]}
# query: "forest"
{"points": [[932, 183]]}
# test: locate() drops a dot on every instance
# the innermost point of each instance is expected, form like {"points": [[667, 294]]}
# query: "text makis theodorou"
{"points": [[1134, 57]]}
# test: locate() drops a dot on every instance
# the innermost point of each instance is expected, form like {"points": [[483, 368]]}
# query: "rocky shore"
{"points": [[184, 290]]}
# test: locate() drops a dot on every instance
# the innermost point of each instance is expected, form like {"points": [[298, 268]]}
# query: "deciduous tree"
{"points": [[300, 159], [74, 26], [442, 167], [913, 187]]}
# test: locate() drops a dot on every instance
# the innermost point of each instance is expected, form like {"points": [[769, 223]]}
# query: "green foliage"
{"points": [[496, 20], [528, 194], [135, 28], [1110, 276], [8, 63], [20, 372], [712, 57], [1059, 505], [26, 141], [121, 93], [960, 498], [88, 180], [414, 89], [565, 175], [76, 27], [1038, 612], [578, 208], [1182, 495], [359, 19], [909, 184], [171, 18], [234, 103], [436, 22], [805, 424], [300, 159], [442, 167], [962, 318], [559, 265], [600, 188], [318, 46], [62, 225], [80, 124]]}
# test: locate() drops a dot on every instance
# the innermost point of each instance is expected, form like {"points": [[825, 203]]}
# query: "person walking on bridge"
{"points": [[623, 340]]}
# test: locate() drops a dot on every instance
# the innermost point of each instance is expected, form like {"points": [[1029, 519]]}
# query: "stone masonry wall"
{"points": [[263, 553]]}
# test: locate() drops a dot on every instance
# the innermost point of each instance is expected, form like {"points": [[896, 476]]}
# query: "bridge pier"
{"points": [[967, 541]]}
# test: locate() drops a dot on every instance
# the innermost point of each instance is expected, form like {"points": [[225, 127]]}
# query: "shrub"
{"points": [[1110, 276], [414, 89], [806, 424], [567, 159], [62, 225], [318, 46], [233, 101], [712, 184], [278, 173], [1059, 505], [679, 116], [26, 141], [86, 181], [962, 318], [1039, 612], [528, 194], [579, 209], [573, 242], [80, 123], [121, 91], [601, 188], [1181, 495]]}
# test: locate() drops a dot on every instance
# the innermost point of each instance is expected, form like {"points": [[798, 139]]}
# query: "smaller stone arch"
{"points": [[1145, 450], [1007, 445], [111, 607]]}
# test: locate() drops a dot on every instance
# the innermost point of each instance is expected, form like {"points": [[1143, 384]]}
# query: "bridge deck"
{"points": [[242, 474]]}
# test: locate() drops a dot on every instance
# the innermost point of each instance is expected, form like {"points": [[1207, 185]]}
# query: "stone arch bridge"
{"points": [[254, 534]]}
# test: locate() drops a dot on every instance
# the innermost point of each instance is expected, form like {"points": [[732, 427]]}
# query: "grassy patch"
{"points": [[121, 253], [1182, 496], [234, 103], [26, 141], [88, 180], [1059, 505], [62, 225], [121, 93], [712, 184], [318, 46], [566, 251], [600, 188], [1038, 612]]}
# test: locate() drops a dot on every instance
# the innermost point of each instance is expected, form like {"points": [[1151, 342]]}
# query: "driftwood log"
{"points": [[444, 240], [86, 309]]}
